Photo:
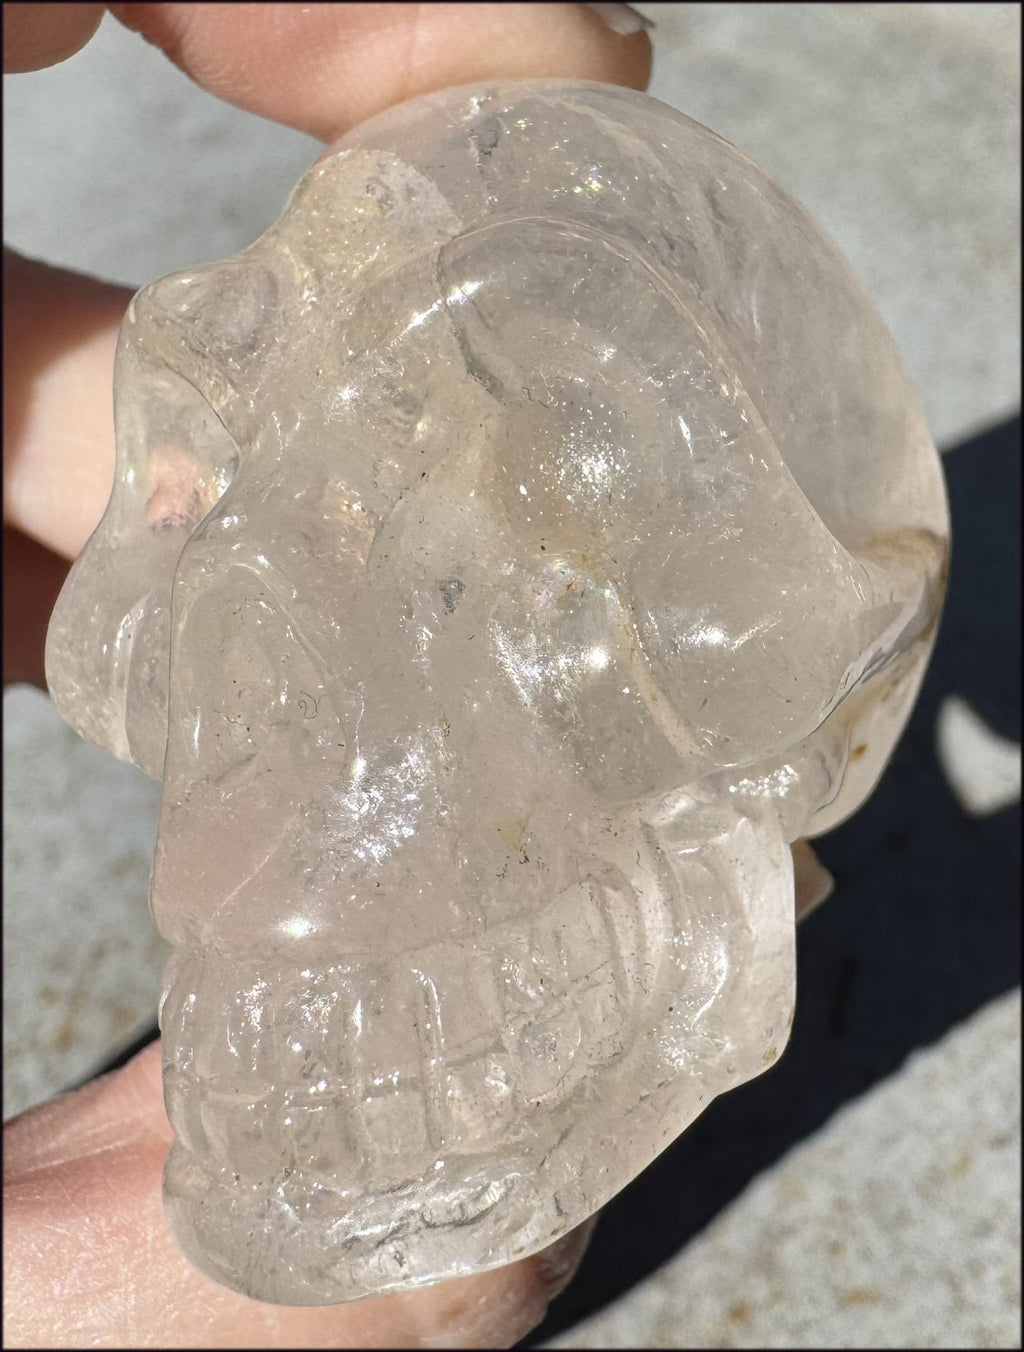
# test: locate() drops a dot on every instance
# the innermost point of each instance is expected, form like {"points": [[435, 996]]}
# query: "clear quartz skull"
{"points": [[511, 552]]}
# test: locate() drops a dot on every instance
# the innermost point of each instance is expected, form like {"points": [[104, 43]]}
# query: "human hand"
{"points": [[89, 1258], [321, 69]]}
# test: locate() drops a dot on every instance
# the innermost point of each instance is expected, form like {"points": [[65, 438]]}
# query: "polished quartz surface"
{"points": [[554, 537]]}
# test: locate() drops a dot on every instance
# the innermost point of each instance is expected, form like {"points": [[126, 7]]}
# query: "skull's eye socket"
{"points": [[177, 457], [189, 466]]}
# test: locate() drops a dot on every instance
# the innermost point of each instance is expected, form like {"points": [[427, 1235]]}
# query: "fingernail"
{"points": [[621, 19]]}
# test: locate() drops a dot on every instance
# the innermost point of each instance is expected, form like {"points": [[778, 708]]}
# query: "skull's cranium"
{"points": [[511, 553]]}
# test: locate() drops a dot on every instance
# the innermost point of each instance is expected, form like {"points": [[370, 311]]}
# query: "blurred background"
{"points": [[866, 1192]]}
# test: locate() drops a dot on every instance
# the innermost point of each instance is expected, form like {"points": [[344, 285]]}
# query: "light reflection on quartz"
{"points": [[714, 636], [381, 807], [297, 927], [418, 320], [458, 295], [772, 785], [717, 965]]}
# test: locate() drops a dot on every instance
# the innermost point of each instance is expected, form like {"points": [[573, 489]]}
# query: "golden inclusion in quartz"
{"points": [[512, 552]]}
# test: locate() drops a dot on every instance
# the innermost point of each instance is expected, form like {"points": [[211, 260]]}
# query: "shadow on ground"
{"points": [[922, 930]]}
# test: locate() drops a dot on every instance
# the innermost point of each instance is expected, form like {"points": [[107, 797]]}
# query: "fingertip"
{"points": [[558, 1264], [631, 57], [36, 36], [325, 68], [812, 882]]}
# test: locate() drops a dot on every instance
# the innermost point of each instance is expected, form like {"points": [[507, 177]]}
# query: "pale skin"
{"points": [[87, 1255]]}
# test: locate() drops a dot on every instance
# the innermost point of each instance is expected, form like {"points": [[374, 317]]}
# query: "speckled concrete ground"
{"points": [[82, 959], [899, 126], [897, 1225]]}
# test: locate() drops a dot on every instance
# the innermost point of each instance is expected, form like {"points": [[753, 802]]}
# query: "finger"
{"points": [[41, 35], [90, 1261], [33, 577], [60, 331], [319, 67], [325, 68], [812, 881]]}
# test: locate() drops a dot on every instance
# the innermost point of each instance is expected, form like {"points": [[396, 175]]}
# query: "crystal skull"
{"points": [[511, 553]]}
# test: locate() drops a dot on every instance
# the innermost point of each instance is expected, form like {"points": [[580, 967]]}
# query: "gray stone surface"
{"points": [[898, 127], [897, 1225], [81, 956], [116, 164]]}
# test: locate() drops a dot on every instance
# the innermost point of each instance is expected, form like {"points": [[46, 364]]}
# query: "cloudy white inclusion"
{"points": [[378, 812], [714, 636], [777, 782]]}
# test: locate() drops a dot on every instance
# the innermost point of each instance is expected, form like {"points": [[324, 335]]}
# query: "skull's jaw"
{"points": [[339, 1183]]}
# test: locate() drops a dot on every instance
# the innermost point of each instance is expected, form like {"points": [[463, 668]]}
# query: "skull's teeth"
{"points": [[373, 1070]]}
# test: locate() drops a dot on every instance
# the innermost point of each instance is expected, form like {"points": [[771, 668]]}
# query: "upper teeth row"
{"points": [[394, 1063]]}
